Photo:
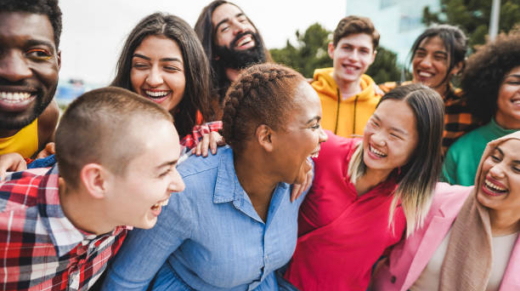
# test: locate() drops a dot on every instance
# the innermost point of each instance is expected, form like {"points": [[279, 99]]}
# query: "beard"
{"points": [[241, 59]]}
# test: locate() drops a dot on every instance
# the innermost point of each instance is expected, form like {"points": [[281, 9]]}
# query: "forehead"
{"points": [[26, 25], [158, 45], [510, 148], [358, 39], [398, 114], [307, 101], [514, 71], [432, 43], [225, 11]]}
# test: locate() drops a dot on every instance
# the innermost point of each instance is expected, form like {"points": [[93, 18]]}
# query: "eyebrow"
{"points": [[168, 163], [499, 151], [435, 52], [227, 20], [513, 75], [317, 118], [162, 60], [391, 128]]}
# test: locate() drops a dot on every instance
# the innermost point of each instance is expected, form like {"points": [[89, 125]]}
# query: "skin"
{"points": [[430, 65], [158, 71], [391, 131], [508, 102], [105, 200], [502, 169], [289, 148], [29, 64], [351, 56]]}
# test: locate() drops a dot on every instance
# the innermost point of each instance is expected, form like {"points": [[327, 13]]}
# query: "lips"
{"points": [[156, 96], [376, 152], [156, 208], [244, 41], [494, 188]]}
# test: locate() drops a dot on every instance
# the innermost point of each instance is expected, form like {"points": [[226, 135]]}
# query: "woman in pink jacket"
{"points": [[470, 237]]}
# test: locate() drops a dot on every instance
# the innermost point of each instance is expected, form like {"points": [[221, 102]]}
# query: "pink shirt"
{"points": [[341, 234]]}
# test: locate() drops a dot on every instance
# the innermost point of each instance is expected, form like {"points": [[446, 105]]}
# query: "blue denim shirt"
{"points": [[210, 237]]}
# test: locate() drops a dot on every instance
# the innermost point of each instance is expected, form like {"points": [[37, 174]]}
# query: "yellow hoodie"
{"points": [[345, 117]]}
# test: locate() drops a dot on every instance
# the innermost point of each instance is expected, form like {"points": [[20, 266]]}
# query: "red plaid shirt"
{"points": [[40, 249], [191, 140]]}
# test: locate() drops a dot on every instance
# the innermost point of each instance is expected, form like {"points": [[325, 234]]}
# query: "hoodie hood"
{"points": [[324, 83]]}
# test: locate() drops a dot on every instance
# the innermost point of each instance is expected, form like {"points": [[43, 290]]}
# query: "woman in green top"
{"points": [[491, 82]]}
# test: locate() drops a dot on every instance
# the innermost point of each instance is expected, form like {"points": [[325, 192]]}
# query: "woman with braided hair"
{"points": [[235, 224]]}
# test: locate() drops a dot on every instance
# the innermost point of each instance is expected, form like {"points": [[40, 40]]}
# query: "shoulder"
{"points": [[469, 140], [449, 198], [19, 190], [338, 145], [47, 122], [195, 165]]}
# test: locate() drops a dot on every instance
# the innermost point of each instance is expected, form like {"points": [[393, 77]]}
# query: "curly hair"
{"points": [[261, 95], [196, 66], [485, 72], [44, 7]]}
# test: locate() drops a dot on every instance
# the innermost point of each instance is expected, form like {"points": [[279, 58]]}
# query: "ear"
{"points": [[331, 50], [59, 60], [264, 136], [94, 178], [457, 68]]}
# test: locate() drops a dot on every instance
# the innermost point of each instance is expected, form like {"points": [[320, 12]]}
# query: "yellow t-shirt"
{"points": [[24, 142]]}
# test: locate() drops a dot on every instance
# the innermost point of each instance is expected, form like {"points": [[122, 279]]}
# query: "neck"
{"points": [[84, 212], [504, 222], [348, 88], [506, 122], [232, 74], [371, 179], [255, 180]]}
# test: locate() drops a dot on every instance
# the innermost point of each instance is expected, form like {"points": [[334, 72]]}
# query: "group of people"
{"points": [[125, 195]]}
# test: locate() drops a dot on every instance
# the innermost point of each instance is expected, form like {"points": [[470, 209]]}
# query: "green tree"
{"points": [[310, 53], [473, 17]]}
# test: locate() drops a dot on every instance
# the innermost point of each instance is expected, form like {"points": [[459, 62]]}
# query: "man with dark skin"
{"points": [[29, 66], [231, 42]]}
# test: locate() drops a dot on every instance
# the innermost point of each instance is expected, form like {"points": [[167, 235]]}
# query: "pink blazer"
{"points": [[409, 257]]}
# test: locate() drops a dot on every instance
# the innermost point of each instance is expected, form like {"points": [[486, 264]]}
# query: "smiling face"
{"points": [[352, 56], [508, 102], [136, 196], [431, 62], [158, 71], [29, 65], [301, 136], [390, 136], [228, 23], [499, 188]]}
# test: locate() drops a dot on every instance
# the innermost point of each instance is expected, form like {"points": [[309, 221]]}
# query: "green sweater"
{"points": [[463, 157]]}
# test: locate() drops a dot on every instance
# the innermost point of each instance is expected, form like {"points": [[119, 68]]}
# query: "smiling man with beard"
{"points": [[29, 65], [231, 42]]}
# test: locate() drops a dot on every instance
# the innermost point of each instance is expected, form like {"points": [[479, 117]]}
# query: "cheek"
{"points": [[136, 80]]}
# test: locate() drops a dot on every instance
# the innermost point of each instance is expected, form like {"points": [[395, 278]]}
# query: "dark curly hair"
{"points": [[261, 95], [196, 67], [455, 42], [44, 7], [485, 71]]}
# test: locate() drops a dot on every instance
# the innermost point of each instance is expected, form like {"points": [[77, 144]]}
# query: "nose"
{"points": [[323, 137], [497, 171], [426, 62], [177, 184], [14, 67], [378, 139], [154, 78], [238, 27], [354, 55]]}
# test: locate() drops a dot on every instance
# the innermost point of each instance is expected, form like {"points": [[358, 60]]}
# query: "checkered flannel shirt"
{"points": [[191, 140], [40, 249], [458, 119]]}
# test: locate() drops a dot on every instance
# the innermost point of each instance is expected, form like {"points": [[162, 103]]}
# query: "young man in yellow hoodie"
{"points": [[348, 96]]}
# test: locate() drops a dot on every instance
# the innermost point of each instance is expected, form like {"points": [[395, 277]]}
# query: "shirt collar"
{"points": [[227, 187]]}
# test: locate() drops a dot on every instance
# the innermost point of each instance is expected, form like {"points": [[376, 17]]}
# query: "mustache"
{"points": [[22, 84], [240, 35]]}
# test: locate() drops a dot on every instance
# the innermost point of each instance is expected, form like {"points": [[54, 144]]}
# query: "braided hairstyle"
{"points": [[262, 95]]}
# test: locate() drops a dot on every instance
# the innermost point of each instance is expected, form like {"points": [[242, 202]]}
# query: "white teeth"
{"points": [[516, 102], [425, 74], [494, 187], [244, 41], [163, 203], [315, 155], [14, 96], [156, 94], [379, 153]]}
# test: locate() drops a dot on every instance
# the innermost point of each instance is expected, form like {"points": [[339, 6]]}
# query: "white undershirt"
{"points": [[502, 246]]}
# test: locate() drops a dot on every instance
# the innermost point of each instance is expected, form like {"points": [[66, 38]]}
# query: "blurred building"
{"points": [[398, 21]]}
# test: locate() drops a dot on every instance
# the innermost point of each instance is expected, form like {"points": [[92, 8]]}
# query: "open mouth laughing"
{"points": [[494, 188], [16, 100]]}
